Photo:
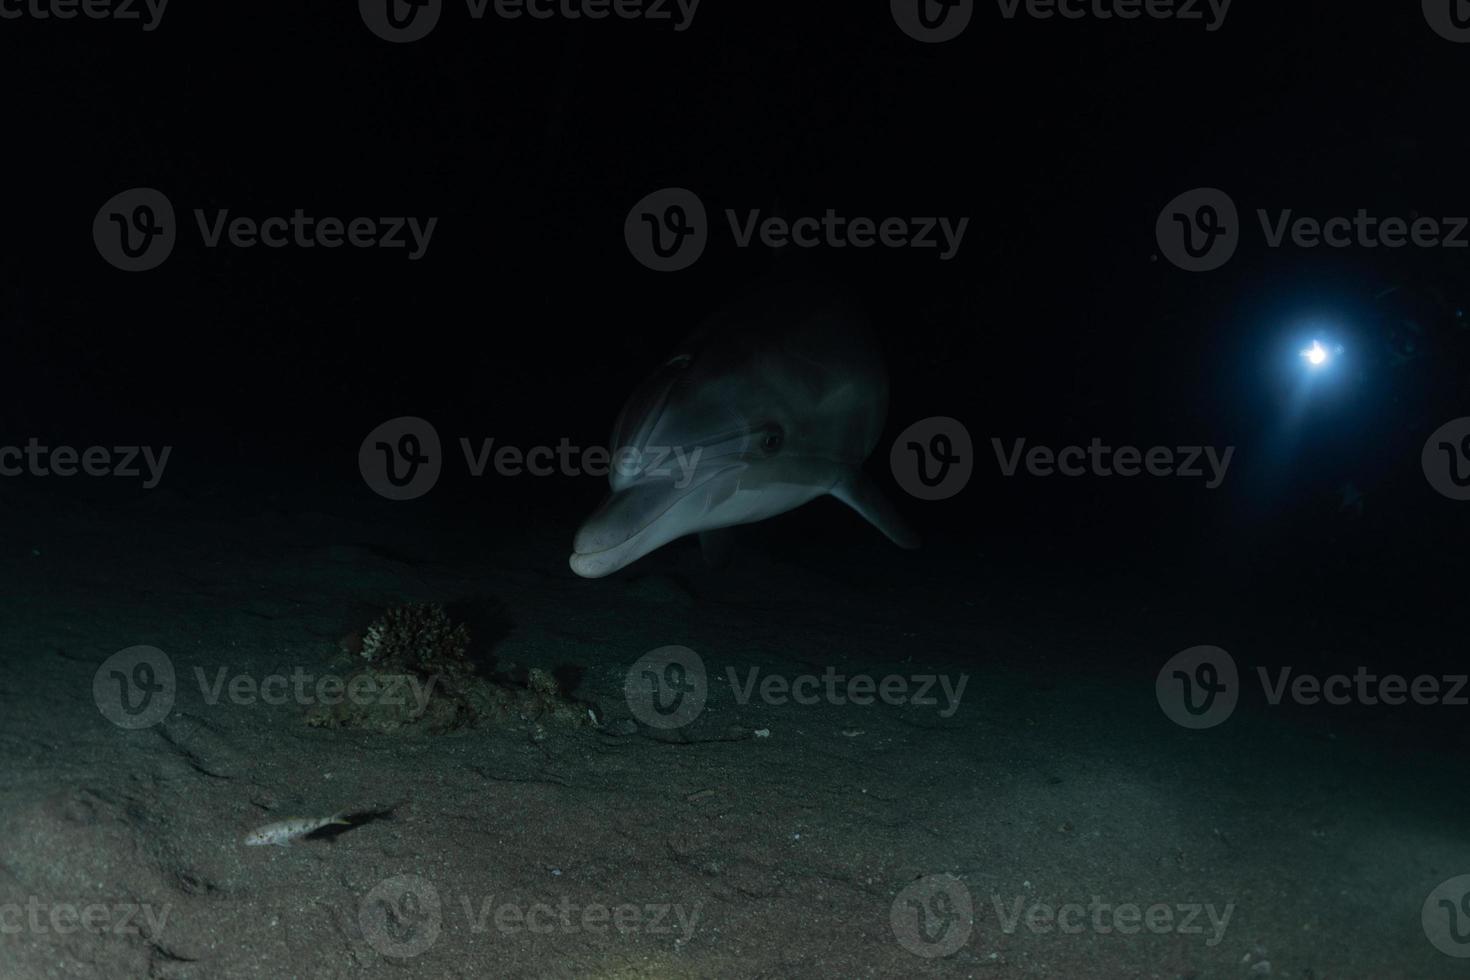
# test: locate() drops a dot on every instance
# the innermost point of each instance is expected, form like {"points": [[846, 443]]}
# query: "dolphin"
{"points": [[771, 402]]}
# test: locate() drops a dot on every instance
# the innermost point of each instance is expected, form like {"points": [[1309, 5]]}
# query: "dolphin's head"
{"points": [[758, 412]]}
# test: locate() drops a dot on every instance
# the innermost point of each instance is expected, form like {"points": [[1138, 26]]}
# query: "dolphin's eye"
{"points": [[771, 439]]}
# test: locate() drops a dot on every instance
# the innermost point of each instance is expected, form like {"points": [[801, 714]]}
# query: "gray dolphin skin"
{"points": [[770, 403]]}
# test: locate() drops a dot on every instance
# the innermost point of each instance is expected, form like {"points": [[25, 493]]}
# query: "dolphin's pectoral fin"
{"points": [[862, 495], [717, 546]]}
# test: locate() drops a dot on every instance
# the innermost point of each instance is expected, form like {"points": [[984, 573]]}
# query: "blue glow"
{"points": [[1319, 355], [1317, 369]]}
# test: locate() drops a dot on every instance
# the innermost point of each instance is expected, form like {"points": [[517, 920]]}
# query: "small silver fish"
{"points": [[283, 832]]}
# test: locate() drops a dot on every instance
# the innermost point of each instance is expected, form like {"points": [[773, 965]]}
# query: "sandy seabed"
{"points": [[1009, 820]]}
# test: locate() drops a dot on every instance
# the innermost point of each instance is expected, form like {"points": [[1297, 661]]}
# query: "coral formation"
{"points": [[411, 671], [419, 637]]}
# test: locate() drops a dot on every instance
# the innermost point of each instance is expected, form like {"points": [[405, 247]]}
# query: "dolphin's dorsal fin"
{"points": [[863, 495]]}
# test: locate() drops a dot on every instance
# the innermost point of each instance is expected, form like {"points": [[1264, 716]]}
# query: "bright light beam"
{"points": [[1316, 355]]}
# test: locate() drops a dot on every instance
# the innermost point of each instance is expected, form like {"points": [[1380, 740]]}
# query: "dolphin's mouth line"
{"points": [[672, 500], [621, 544]]}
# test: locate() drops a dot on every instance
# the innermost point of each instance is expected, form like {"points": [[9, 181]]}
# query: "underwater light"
{"points": [[1321, 369], [1316, 355]]}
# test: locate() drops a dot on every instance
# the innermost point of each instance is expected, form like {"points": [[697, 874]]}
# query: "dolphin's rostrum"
{"points": [[770, 403]]}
